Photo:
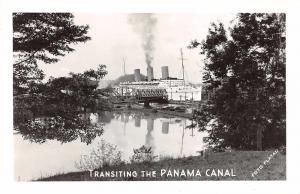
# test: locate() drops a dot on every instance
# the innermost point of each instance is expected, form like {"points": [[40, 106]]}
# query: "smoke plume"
{"points": [[144, 25]]}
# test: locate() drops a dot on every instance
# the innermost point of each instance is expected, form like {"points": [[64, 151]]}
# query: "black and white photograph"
{"points": [[141, 96], [148, 96]]}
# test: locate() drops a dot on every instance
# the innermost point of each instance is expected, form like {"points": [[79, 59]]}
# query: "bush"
{"points": [[142, 155], [105, 154]]}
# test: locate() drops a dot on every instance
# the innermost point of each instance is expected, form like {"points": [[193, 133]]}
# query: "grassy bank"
{"points": [[265, 164]]}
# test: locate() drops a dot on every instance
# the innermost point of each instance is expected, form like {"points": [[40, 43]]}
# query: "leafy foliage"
{"points": [[41, 37], [96, 74], [245, 76], [143, 154], [53, 110], [105, 154]]}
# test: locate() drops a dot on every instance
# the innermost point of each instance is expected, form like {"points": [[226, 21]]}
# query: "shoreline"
{"points": [[235, 165]]}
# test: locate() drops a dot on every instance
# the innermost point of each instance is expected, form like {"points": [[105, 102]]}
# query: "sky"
{"points": [[113, 38]]}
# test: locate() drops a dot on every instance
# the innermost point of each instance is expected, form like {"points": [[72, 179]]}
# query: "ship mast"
{"points": [[183, 72], [182, 66], [124, 60]]}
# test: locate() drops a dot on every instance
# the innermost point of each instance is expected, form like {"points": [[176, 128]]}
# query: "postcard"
{"points": [[149, 96]]}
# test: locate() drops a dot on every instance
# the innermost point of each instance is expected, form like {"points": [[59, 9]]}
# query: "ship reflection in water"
{"points": [[167, 136]]}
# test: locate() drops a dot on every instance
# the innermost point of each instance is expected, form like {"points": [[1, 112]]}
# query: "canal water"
{"points": [[168, 136]]}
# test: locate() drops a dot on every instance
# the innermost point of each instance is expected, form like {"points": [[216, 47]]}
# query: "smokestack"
{"points": [[164, 72], [150, 76], [137, 75]]}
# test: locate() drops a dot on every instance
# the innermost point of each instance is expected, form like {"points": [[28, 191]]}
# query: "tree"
{"points": [[61, 95], [83, 89], [50, 110], [96, 74], [245, 76], [53, 110], [41, 37]]}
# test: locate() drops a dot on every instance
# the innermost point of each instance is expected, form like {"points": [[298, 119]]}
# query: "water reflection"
{"points": [[165, 127], [64, 129], [137, 120], [149, 140], [166, 135]]}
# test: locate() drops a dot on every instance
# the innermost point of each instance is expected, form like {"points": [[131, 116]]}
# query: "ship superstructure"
{"points": [[173, 88], [168, 88]]}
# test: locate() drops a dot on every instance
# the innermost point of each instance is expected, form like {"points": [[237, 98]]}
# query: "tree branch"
{"points": [[31, 56]]}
